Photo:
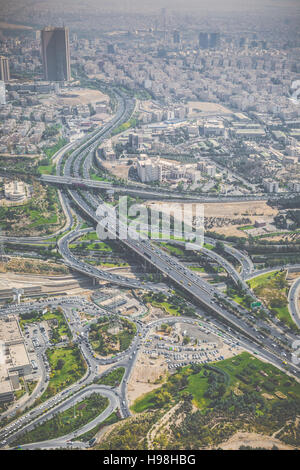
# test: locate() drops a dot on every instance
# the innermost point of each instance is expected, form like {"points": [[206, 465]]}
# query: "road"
{"points": [[147, 193], [66, 404], [204, 294], [75, 263], [198, 289], [293, 299]]}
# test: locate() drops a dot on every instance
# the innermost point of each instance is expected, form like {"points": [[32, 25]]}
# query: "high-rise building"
{"points": [[242, 42], [4, 69], [203, 40], [271, 186], [214, 40], [176, 37], [134, 141], [110, 48], [2, 93], [56, 54]]}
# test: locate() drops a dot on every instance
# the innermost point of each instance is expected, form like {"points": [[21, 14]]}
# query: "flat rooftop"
{"points": [[5, 384], [10, 329], [18, 356]]}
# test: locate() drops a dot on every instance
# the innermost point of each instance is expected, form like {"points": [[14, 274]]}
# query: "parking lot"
{"points": [[187, 343]]}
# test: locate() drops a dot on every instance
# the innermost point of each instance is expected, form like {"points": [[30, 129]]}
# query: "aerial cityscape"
{"points": [[149, 226]]}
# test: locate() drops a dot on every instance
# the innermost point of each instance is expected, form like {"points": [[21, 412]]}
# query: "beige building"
{"points": [[15, 191], [14, 359]]}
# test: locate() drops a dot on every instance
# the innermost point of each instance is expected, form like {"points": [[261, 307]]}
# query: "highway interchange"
{"points": [[224, 314]]}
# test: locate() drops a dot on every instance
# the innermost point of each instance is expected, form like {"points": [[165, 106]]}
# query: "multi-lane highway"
{"points": [[75, 263], [143, 191], [200, 290], [76, 162]]}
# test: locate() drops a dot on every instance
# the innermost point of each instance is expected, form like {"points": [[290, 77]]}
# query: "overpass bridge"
{"points": [[147, 193]]}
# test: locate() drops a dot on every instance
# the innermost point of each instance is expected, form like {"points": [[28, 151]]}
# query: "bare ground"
{"points": [[253, 440], [27, 265], [146, 372], [253, 210]]}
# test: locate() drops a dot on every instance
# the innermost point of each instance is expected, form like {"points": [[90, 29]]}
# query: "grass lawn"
{"points": [[144, 402], [22, 391], [162, 236], [98, 246], [246, 227], [123, 127], [167, 307], [46, 169], [238, 299], [243, 374], [113, 378], [101, 246], [250, 372], [95, 177], [197, 268], [208, 246], [272, 288], [173, 249], [284, 315], [113, 418], [113, 265], [89, 236], [261, 280], [197, 386], [38, 219], [67, 366], [50, 151]]}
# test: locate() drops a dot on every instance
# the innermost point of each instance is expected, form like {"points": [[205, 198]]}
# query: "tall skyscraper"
{"points": [[203, 40], [164, 23], [110, 48], [176, 37], [242, 41], [4, 69], [56, 54], [2, 93], [214, 40]]}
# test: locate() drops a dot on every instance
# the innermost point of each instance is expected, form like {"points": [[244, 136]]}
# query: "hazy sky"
{"points": [[152, 5]]}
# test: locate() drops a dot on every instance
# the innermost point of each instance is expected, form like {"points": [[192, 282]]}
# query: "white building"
{"points": [[294, 186], [207, 168], [212, 128], [149, 170], [2, 93], [271, 186]]}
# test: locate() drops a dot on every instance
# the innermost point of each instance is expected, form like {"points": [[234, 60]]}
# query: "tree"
{"points": [[60, 364], [161, 398], [220, 248]]}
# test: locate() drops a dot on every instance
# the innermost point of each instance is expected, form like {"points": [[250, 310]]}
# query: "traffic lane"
{"points": [[77, 397]]}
